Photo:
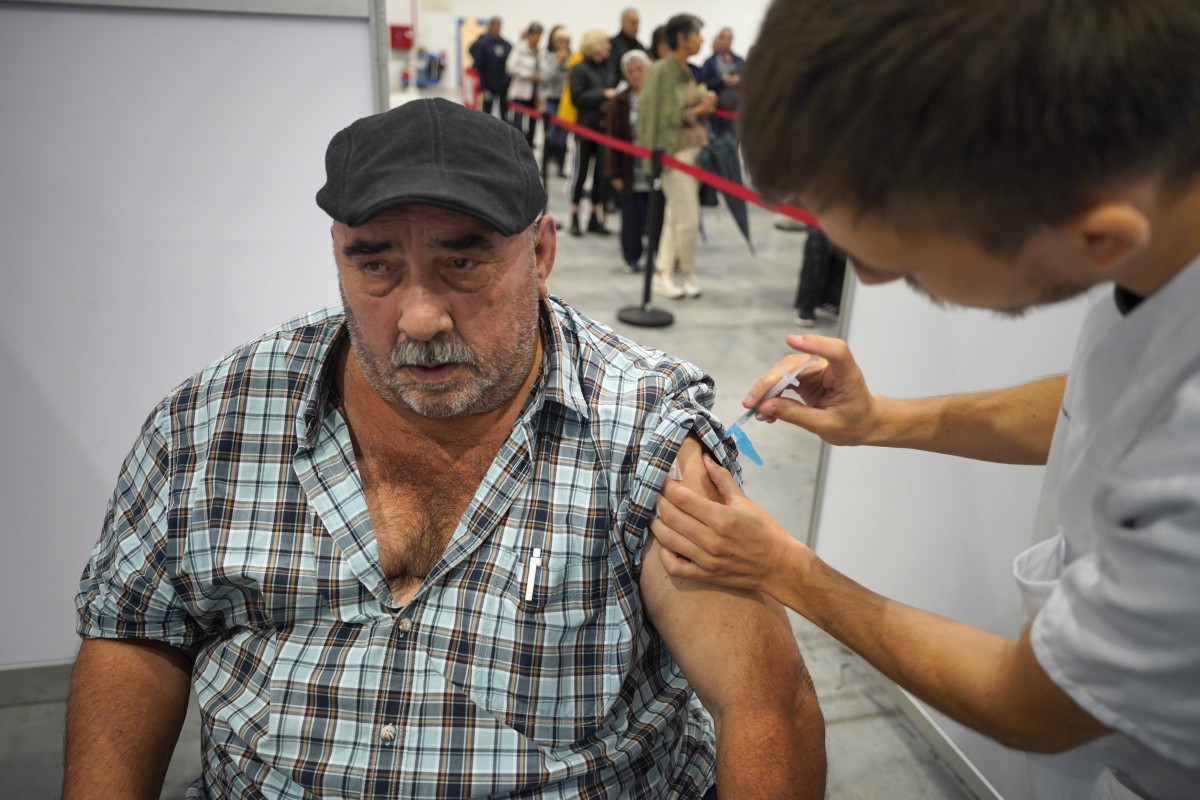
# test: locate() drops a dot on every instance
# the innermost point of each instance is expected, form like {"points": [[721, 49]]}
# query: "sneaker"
{"points": [[665, 286], [690, 287], [832, 309], [793, 225], [805, 322], [632, 267], [596, 226], [575, 227]]}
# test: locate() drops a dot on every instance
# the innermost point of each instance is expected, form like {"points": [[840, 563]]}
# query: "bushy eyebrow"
{"points": [[364, 247], [468, 241]]}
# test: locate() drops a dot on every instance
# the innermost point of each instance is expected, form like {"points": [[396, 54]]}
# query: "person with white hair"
{"points": [[624, 171]]}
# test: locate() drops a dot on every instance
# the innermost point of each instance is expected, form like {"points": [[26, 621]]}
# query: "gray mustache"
{"points": [[435, 351]]}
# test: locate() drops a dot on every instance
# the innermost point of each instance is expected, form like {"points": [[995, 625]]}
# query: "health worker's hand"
{"points": [[732, 543], [837, 405]]}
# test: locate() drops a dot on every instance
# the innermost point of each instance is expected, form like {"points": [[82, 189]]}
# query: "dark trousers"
{"points": [[522, 122], [556, 137], [821, 274], [721, 126], [633, 224], [491, 97], [588, 153]]}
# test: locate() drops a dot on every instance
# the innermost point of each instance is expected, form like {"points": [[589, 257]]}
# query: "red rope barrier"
{"points": [[702, 175]]}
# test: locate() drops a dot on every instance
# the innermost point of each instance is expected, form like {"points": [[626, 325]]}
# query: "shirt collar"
{"points": [[1126, 300], [559, 381], [321, 389]]}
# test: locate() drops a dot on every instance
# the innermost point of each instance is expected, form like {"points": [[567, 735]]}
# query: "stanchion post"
{"points": [[654, 221], [646, 315]]}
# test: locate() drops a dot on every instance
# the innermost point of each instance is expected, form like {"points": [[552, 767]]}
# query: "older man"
{"points": [[489, 55], [722, 73], [622, 42], [399, 546]]}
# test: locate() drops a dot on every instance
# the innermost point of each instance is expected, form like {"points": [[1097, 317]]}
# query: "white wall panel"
{"points": [[934, 531], [157, 174]]}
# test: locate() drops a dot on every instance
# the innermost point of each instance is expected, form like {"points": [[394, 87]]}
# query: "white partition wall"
{"points": [[938, 532], [157, 172]]}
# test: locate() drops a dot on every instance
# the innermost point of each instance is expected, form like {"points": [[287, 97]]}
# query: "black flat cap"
{"points": [[433, 152]]}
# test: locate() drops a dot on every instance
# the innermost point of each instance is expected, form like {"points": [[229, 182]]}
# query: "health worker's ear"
{"points": [[1110, 234]]}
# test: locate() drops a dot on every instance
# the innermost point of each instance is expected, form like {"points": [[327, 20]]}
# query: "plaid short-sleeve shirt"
{"points": [[239, 525]]}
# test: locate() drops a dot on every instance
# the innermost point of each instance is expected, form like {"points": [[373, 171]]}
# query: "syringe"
{"points": [[790, 378]]}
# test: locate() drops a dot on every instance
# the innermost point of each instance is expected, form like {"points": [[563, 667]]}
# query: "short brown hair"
{"points": [[984, 119]]}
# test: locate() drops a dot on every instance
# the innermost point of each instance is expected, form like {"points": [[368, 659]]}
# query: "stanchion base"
{"points": [[646, 316]]}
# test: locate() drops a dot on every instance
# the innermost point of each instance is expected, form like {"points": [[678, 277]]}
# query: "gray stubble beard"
{"points": [[490, 385]]}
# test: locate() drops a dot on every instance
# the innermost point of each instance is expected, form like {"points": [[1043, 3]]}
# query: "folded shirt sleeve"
{"points": [[685, 410], [129, 587]]}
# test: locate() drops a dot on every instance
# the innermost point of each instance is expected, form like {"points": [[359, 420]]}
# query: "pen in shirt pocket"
{"points": [[531, 572]]}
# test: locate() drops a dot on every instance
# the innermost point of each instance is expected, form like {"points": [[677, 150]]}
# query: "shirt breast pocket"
{"points": [[546, 644]]}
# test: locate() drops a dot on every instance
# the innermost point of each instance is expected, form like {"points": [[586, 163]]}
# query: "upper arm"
{"points": [[733, 646]]}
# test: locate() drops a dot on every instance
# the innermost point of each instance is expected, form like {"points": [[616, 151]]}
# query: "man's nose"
{"points": [[424, 312]]}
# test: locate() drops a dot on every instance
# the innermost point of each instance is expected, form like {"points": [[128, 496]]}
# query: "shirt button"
{"points": [[404, 625], [388, 733]]}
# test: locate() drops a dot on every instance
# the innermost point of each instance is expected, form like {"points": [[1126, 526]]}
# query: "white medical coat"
{"points": [[1114, 579]]}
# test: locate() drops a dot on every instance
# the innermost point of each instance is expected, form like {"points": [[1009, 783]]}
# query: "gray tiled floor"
{"points": [[735, 332]]}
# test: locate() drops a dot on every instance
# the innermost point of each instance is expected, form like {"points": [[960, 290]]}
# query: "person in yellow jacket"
{"points": [[566, 109]]}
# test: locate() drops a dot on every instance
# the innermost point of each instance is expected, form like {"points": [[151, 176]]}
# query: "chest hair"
{"points": [[416, 494]]}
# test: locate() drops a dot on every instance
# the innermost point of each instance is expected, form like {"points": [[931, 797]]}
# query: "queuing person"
{"points": [[524, 68], [624, 171], [822, 275], [590, 95], [721, 73], [554, 78], [673, 110], [621, 43], [659, 46], [490, 54], [1005, 156], [399, 550]]}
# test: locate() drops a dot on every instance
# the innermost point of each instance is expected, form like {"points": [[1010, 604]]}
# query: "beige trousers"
{"points": [[681, 217]]}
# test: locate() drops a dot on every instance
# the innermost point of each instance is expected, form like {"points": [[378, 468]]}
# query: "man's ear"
{"points": [[1110, 234], [544, 248]]}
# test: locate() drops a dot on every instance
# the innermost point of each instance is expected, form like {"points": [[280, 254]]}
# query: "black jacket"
{"points": [[587, 93], [489, 55], [621, 44]]}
